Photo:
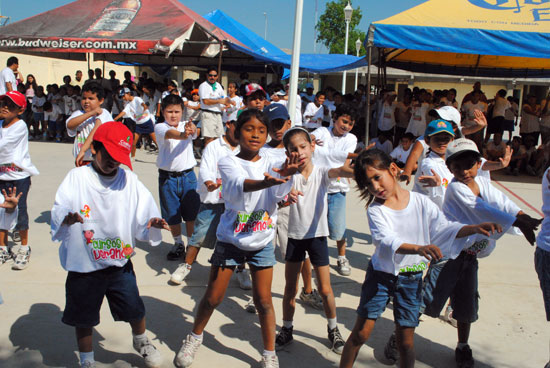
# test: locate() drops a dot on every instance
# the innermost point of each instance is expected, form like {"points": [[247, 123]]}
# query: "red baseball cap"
{"points": [[17, 98], [117, 140], [253, 87]]}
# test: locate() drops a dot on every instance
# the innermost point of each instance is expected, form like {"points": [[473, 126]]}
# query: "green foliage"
{"points": [[331, 28]]}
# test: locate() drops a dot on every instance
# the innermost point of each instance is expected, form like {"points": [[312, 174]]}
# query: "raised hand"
{"points": [[505, 161], [430, 180], [290, 166], [527, 225], [10, 198], [270, 180], [479, 118]]}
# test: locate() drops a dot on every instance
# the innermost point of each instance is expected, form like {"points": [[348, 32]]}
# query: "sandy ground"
{"points": [[512, 330]]}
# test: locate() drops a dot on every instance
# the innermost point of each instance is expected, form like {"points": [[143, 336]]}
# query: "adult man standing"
{"points": [[213, 100], [78, 81], [7, 76], [476, 88]]}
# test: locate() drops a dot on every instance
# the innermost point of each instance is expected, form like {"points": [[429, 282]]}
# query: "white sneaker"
{"points": [[250, 307], [186, 355], [21, 259], [180, 273], [149, 352], [245, 282], [344, 268], [87, 364], [4, 255], [270, 361]]}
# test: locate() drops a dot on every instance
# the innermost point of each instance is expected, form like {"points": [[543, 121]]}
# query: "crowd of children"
{"points": [[265, 185]]}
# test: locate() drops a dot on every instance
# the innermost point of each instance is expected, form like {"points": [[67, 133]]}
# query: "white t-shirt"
{"points": [[417, 124], [387, 117], [344, 144], [83, 130], [152, 103], [207, 92], [174, 154], [250, 218], [115, 213], [308, 218], [529, 123], [501, 104], [230, 114], [420, 223], [8, 220], [190, 114], [468, 109], [484, 173], [277, 156], [208, 170], [135, 111], [38, 102], [7, 76], [15, 161], [386, 147], [54, 114], [313, 116], [490, 206], [543, 239], [400, 154], [437, 164]]}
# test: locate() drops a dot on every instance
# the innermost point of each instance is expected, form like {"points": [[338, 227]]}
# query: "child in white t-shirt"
{"points": [[83, 123], [307, 233], [99, 212], [408, 231], [383, 142], [54, 116], [471, 199], [230, 112], [16, 167], [252, 187], [338, 138], [177, 181], [314, 112], [193, 108], [402, 152]]}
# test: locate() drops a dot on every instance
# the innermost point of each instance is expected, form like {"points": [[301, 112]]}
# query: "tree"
{"points": [[331, 28]]}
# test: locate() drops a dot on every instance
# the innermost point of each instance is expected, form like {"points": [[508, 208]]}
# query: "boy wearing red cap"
{"points": [[16, 170], [98, 213]]}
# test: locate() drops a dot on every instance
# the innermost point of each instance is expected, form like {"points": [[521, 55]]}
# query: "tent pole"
{"points": [[295, 63], [220, 61], [88, 58], [369, 51], [103, 74]]}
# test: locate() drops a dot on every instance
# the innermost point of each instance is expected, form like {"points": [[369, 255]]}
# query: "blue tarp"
{"points": [[265, 51]]}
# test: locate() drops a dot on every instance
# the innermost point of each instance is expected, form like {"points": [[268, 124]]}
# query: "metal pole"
{"points": [[315, 31], [345, 53], [295, 63], [220, 61], [356, 73], [265, 30], [369, 52]]}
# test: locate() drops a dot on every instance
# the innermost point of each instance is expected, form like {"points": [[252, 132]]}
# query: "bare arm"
{"points": [[190, 130], [480, 120], [210, 101], [345, 171], [411, 161], [75, 122]]}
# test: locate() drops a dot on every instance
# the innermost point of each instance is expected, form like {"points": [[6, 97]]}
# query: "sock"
{"points": [[197, 337], [178, 239], [331, 323], [460, 345], [140, 337], [269, 352], [86, 357], [25, 248], [341, 258], [4, 247], [287, 324]]}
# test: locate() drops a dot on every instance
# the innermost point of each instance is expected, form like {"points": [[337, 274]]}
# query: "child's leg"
{"points": [[138, 327], [191, 255], [306, 276], [405, 343], [3, 238], [292, 270], [359, 335], [84, 339], [154, 138], [136, 138], [217, 285], [323, 275], [463, 329], [189, 227], [24, 236], [261, 289]]}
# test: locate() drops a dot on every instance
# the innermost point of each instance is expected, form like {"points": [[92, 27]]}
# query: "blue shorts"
{"points": [[228, 255], [84, 294], [336, 215], [317, 248], [379, 286], [457, 280], [178, 197], [38, 116], [23, 186], [206, 224], [145, 128], [542, 266], [430, 280]]}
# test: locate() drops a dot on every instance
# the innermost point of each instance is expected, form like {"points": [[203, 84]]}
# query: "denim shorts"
{"points": [[23, 186], [38, 116], [457, 280], [178, 197], [317, 248], [542, 266], [84, 293], [430, 280], [206, 224], [379, 286], [336, 215], [228, 255]]}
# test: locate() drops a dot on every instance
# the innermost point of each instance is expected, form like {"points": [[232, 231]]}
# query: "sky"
{"points": [[280, 15]]}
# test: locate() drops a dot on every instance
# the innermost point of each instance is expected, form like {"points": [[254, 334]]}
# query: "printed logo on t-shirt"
{"points": [[414, 268], [7, 168], [108, 248], [85, 211], [445, 182], [477, 247], [252, 222]]}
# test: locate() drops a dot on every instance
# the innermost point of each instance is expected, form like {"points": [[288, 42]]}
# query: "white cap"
{"points": [[458, 146], [449, 113]]}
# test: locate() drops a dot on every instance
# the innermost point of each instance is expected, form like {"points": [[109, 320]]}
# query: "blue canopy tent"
{"points": [[262, 50]]}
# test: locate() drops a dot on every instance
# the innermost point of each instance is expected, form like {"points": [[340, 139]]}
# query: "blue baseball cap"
{"points": [[276, 111], [439, 126]]}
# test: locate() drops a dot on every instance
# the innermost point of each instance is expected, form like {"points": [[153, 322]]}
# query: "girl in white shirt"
{"points": [[252, 187], [408, 231]]}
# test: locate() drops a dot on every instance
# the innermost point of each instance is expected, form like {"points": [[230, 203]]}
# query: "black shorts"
{"points": [[22, 186], [496, 125], [84, 293], [317, 248], [130, 124]]}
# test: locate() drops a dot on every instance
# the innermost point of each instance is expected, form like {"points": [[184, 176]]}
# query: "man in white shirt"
{"points": [[213, 100], [7, 76]]}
